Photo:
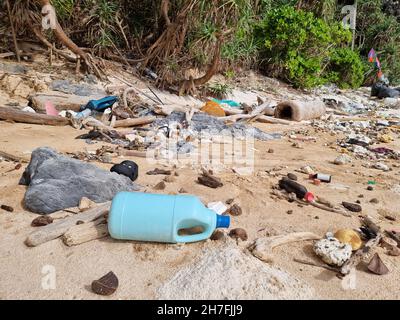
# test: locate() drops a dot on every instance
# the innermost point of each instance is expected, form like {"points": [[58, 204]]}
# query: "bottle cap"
{"points": [[309, 197], [223, 221]]}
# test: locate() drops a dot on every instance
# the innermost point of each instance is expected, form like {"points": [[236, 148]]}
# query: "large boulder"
{"points": [[57, 182]]}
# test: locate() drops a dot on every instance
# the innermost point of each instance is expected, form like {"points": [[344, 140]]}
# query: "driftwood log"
{"points": [[263, 248], [10, 114], [134, 122], [57, 229], [11, 157], [85, 232]]}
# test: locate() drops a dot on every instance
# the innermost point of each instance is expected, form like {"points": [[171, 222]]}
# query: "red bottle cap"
{"points": [[309, 197]]}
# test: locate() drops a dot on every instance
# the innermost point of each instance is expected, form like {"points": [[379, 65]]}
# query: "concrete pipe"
{"points": [[296, 110]]}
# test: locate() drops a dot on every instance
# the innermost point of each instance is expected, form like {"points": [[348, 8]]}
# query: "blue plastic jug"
{"points": [[161, 218]]}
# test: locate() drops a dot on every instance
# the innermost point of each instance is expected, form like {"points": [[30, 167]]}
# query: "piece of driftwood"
{"points": [[328, 208], [85, 232], [6, 55], [10, 114], [167, 109], [360, 255], [57, 229], [133, 122], [209, 180], [263, 248], [229, 111], [11, 157], [365, 252], [131, 153], [259, 118], [314, 264]]}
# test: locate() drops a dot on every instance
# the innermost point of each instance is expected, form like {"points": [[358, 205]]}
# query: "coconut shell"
{"points": [[350, 237]]}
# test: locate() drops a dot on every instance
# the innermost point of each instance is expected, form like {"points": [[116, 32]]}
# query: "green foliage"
{"points": [[346, 68], [64, 8], [380, 31], [219, 90], [297, 46]]}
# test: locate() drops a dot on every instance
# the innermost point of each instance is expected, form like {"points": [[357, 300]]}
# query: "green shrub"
{"points": [[346, 68], [381, 31], [297, 46]]}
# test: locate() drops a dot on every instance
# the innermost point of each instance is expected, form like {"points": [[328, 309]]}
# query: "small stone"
{"points": [[390, 218], [342, 160], [85, 204], [394, 252], [388, 243], [361, 196], [229, 201], [316, 218], [106, 285], [307, 170], [352, 206], [7, 208], [289, 212], [238, 233], [374, 201], [370, 188], [271, 151], [377, 266], [182, 190], [235, 210], [358, 201], [41, 221], [160, 186], [381, 166], [210, 181], [292, 176], [217, 235]]}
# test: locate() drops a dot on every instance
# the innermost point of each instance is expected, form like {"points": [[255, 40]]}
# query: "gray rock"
{"points": [[84, 90], [202, 122], [13, 68], [342, 159], [56, 182]]}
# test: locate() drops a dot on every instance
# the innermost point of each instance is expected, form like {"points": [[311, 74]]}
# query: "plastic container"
{"points": [[322, 177], [162, 218], [83, 114]]}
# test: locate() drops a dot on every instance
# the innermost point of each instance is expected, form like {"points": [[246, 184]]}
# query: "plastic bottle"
{"points": [[161, 218], [293, 187], [83, 114]]}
